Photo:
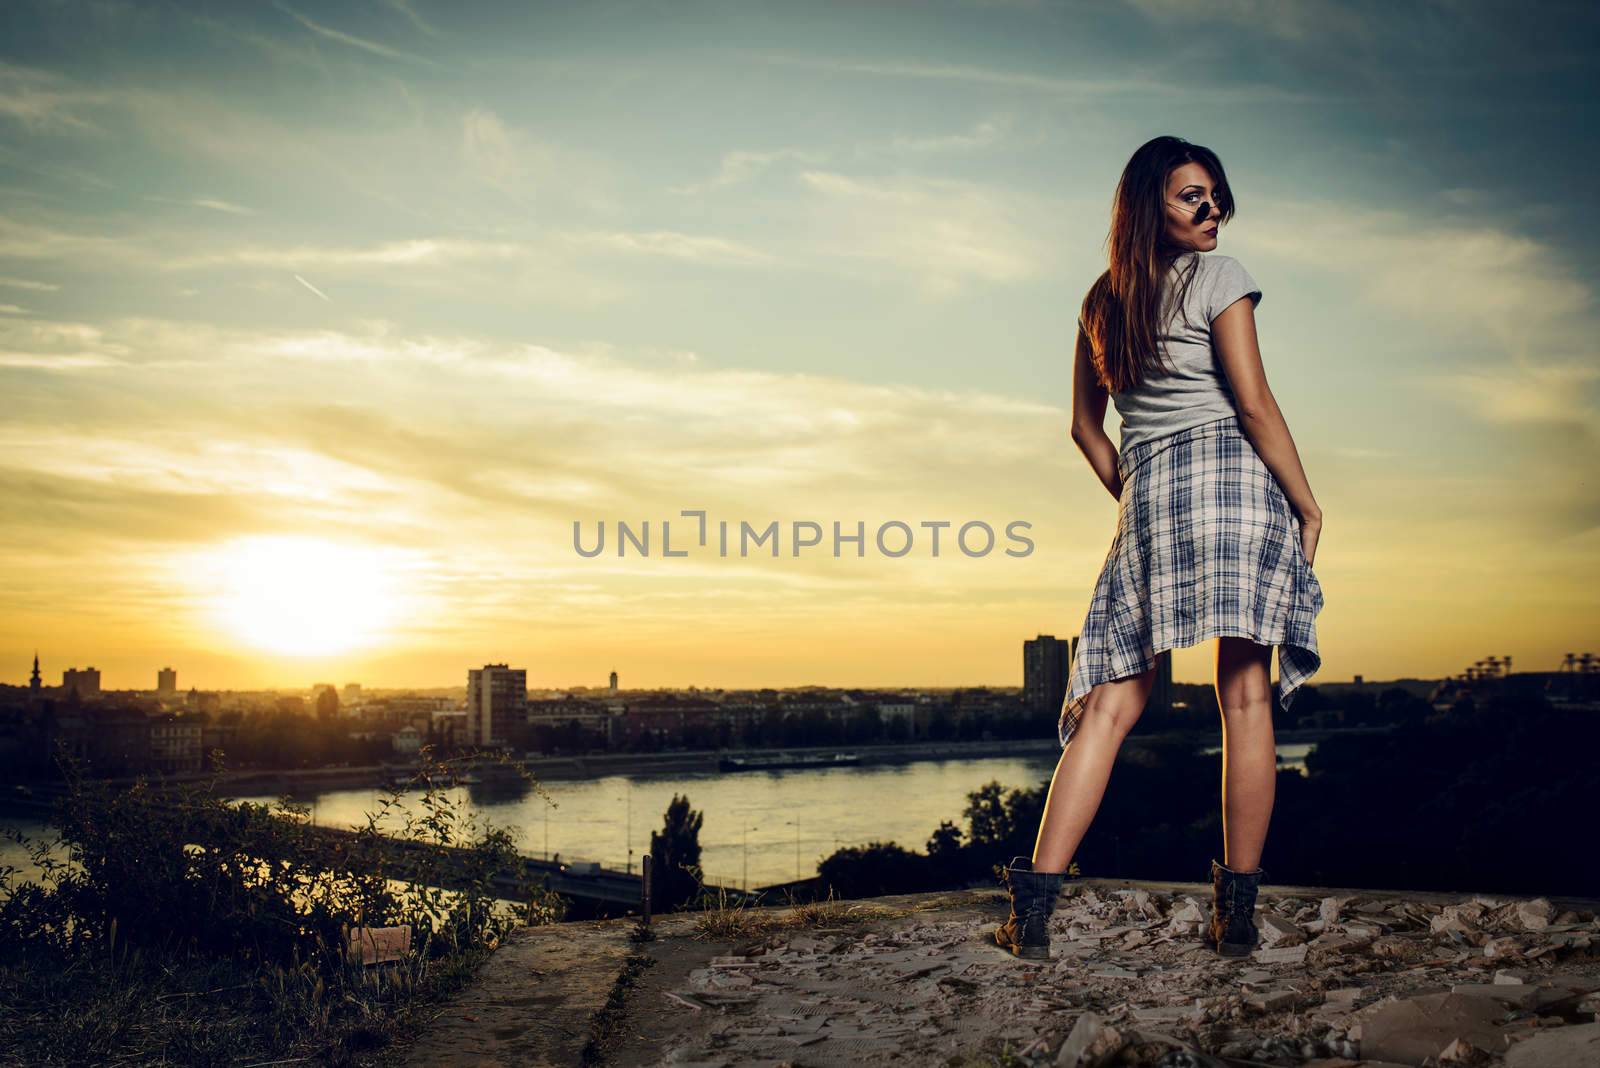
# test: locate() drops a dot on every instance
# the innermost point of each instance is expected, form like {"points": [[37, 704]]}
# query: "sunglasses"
{"points": [[1201, 214]]}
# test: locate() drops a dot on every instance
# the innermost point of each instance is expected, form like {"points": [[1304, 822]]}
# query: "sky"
{"points": [[322, 325]]}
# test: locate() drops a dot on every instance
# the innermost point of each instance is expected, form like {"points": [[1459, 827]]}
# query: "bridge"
{"points": [[451, 868], [594, 889]]}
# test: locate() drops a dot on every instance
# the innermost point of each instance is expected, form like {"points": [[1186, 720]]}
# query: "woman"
{"points": [[1216, 529]]}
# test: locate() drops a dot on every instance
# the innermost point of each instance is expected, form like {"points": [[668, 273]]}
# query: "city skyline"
{"points": [[1490, 665], [320, 329]]}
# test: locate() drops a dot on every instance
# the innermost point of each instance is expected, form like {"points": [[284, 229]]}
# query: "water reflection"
{"points": [[501, 789], [761, 827], [1289, 756]]}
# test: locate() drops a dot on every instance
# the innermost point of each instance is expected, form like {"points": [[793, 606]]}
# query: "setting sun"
{"points": [[301, 596]]}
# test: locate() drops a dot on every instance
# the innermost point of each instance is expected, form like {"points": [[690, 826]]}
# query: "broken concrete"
{"points": [[1341, 979]]}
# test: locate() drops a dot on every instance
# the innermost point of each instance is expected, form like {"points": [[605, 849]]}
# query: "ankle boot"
{"points": [[1232, 929], [1026, 932]]}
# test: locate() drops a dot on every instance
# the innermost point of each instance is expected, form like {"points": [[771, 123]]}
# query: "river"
{"points": [[760, 827]]}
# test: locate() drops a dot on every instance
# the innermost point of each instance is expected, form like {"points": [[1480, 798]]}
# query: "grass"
{"points": [[724, 921], [604, 1024], [147, 1008]]}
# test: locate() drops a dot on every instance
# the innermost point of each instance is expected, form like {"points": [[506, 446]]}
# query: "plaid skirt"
{"points": [[1206, 545]]}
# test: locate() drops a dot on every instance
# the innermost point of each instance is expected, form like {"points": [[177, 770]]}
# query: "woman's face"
{"points": [[1188, 187]]}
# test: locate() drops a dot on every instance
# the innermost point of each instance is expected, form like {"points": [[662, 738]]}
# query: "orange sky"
{"points": [[317, 338]]}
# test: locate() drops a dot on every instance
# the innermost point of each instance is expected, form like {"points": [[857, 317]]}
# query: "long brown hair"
{"points": [[1118, 316]]}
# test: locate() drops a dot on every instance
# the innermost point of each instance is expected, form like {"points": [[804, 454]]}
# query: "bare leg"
{"points": [[1249, 750], [1085, 767]]}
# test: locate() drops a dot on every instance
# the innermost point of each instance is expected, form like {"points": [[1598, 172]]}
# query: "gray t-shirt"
{"points": [[1198, 392]]}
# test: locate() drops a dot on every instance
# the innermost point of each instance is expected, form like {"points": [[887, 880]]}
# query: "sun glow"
{"points": [[302, 596]]}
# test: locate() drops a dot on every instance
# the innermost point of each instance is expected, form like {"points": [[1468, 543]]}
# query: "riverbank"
{"points": [[304, 781], [601, 765]]}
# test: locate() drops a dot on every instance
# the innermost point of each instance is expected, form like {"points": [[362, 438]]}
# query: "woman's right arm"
{"points": [[1233, 333]]}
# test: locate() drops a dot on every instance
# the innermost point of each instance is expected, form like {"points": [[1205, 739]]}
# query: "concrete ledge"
{"points": [[533, 1002]]}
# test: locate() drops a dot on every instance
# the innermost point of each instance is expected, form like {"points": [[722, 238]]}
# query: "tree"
{"points": [[875, 869], [945, 843], [675, 873], [328, 704], [1004, 821]]}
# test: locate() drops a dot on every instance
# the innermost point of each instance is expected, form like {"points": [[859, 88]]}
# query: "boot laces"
{"points": [[1238, 896]]}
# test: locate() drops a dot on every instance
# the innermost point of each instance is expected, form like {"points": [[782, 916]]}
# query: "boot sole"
{"points": [[1029, 952], [1229, 949]]}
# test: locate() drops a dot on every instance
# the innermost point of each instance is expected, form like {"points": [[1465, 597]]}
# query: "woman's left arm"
{"points": [[1089, 417]]}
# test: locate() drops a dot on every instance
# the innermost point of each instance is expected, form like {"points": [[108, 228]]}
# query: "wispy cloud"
{"points": [[1543, 396], [46, 102], [941, 233], [28, 283], [27, 241], [1468, 285], [416, 20], [982, 135], [694, 248], [1055, 85], [1049, 85], [741, 165], [552, 266], [1304, 20], [535, 173], [353, 41], [499, 155], [553, 436], [575, 275], [746, 427], [406, 253], [65, 362], [209, 203], [1504, 331]]}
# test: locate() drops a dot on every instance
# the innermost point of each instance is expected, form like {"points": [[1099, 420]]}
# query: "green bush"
{"points": [[166, 888]]}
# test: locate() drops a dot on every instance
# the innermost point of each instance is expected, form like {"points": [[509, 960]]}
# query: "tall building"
{"points": [[497, 701], [35, 683], [166, 681], [1160, 698], [613, 682], [1046, 667], [85, 682]]}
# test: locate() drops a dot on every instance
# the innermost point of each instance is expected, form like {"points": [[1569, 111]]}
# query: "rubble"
{"points": [[1338, 979], [1564, 1047]]}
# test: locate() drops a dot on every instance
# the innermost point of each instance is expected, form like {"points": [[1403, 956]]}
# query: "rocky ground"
{"points": [[1341, 979]]}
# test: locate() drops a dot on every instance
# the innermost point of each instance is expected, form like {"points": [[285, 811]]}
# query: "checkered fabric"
{"points": [[1206, 545]]}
